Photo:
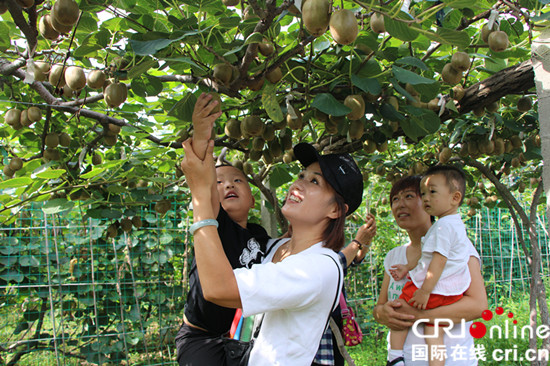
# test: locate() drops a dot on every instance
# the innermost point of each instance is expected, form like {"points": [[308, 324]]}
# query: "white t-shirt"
{"points": [[446, 236], [297, 296], [458, 349]]}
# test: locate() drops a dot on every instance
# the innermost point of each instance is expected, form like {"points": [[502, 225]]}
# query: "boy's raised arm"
{"points": [[203, 121]]}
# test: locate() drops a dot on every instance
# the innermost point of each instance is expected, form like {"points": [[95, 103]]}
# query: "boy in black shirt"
{"points": [[199, 340]]}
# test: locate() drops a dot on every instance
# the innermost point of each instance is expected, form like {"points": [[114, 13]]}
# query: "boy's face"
{"points": [[437, 197], [234, 192]]}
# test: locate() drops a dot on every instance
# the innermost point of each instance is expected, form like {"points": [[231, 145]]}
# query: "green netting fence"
{"points": [[71, 296]]}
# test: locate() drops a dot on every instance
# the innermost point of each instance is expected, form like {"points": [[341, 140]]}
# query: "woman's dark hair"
{"points": [[333, 236], [408, 182]]}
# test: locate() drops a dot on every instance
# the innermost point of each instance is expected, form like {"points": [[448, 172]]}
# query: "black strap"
{"points": [[337, 289], [272, 246], [395, 361]]}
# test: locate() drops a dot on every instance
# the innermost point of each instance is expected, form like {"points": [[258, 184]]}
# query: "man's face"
{"points": [[234, 192]]}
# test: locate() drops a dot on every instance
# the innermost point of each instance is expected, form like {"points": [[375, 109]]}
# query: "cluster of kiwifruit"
{"points": [[18, 119], [13, 166], [317, 17], [452, 72], [111, 134], [495, 38], [62, 18], [52, 141], [162, 206]]}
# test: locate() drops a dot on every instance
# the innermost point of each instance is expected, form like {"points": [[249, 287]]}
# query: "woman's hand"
{"points": [[388, 314], [364, 235]]}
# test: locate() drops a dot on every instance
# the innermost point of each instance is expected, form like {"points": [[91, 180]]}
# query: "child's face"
{"points": [[437, 197], [234, 192]]}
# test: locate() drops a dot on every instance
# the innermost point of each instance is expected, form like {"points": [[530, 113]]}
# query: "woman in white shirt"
{"points": [[298, 285], [406, 206]]}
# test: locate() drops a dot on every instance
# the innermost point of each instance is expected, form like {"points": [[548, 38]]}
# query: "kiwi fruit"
{"points": [[57, 76], [65, 11], [162, 206], [216, 97], [64, 139], [115, 94], [267, 156], [52, 140], [126, 225], [498, 41], [96, 159], [96, 79], [61, 28], [110, 140], [357, 105], [265, 48], [255, 155], [434, 105], [479, 111], [393, 102], [136, 221], [8, 172], [343, 26], [13, 117], [222, 73], [320, 116], [515, 162], [15, 164], [113, 129], [369, 146], [269, 132], [516, 141], [248, 168], [24, 121], [252, 126], [233, 128], [356, 129], [112, 230], [34, 114], [377, 23], [492, 107], [451, 75], [256, 84], [45, 28], [25, 3], [51, 154], [276, 148], [294, 123], [460, 61], [75, 77], [286, 139], [316, 16], [41, 69], [258, 143], [274, 75], [382, 147], [524, 104], [458, 92]]}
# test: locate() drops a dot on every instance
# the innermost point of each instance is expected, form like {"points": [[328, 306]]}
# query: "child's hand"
{"points": [[203, 120], [398, 271], [420, 299]]}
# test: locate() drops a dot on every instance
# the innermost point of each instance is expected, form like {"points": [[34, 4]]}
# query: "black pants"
{"points": [[199, 348]]}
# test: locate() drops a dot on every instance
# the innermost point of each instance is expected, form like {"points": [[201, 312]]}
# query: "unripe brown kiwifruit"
{"points": [[162, 206], [357, 105], [61, 28], [294, 123], [498, 41], [126, 225], [96, 79], [34, 114], [500, 146], [524, 104], [343, 26], [13, 117], [24, 120], [286, 139], [276, 148], [516, 141], [216, 97], [515, 163], [267, 156], [274, 75], [411, 90], [252, 126], [486, 31], [458, 92], [57, 76], [64, 139], [75, 77], [356, 129], [382, 147], [377, 23], [96, 159], [248, 168], [316, 16], [434, 105], [256, 84], [492, 107], [478, 111], [222, 73], [451, 75], [460, 61], [393, 102], [369, 146], [320, 116], [113, 129], [51, 140], [15, 164], [67, 92], [136, 221], [287, 158], [258, 143], [51, 154], [65, 11], [233, 128], [8, 172], [266, 48], [110, 140], [115, 94], [254, 155], [45, 28], [269, 132], [41, 69]]}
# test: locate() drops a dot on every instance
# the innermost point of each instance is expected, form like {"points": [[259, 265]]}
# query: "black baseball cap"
{"points": [[339, 170]]}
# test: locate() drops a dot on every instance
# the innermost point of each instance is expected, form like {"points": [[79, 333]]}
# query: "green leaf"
{"points": [[12, 275], [412, 61], [270, 103], [421, 122], [183, 109], [327, 104], [401, 30], [460, 39], [367, 85], [148, 86], [255, 37], [406, 76], [142, 67], [458, 4], [4, 36], [15, 182], [21, 326], [51, 173], [29, 261], [145, 48], [57, 205], [279, 176], [92, 173]]}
